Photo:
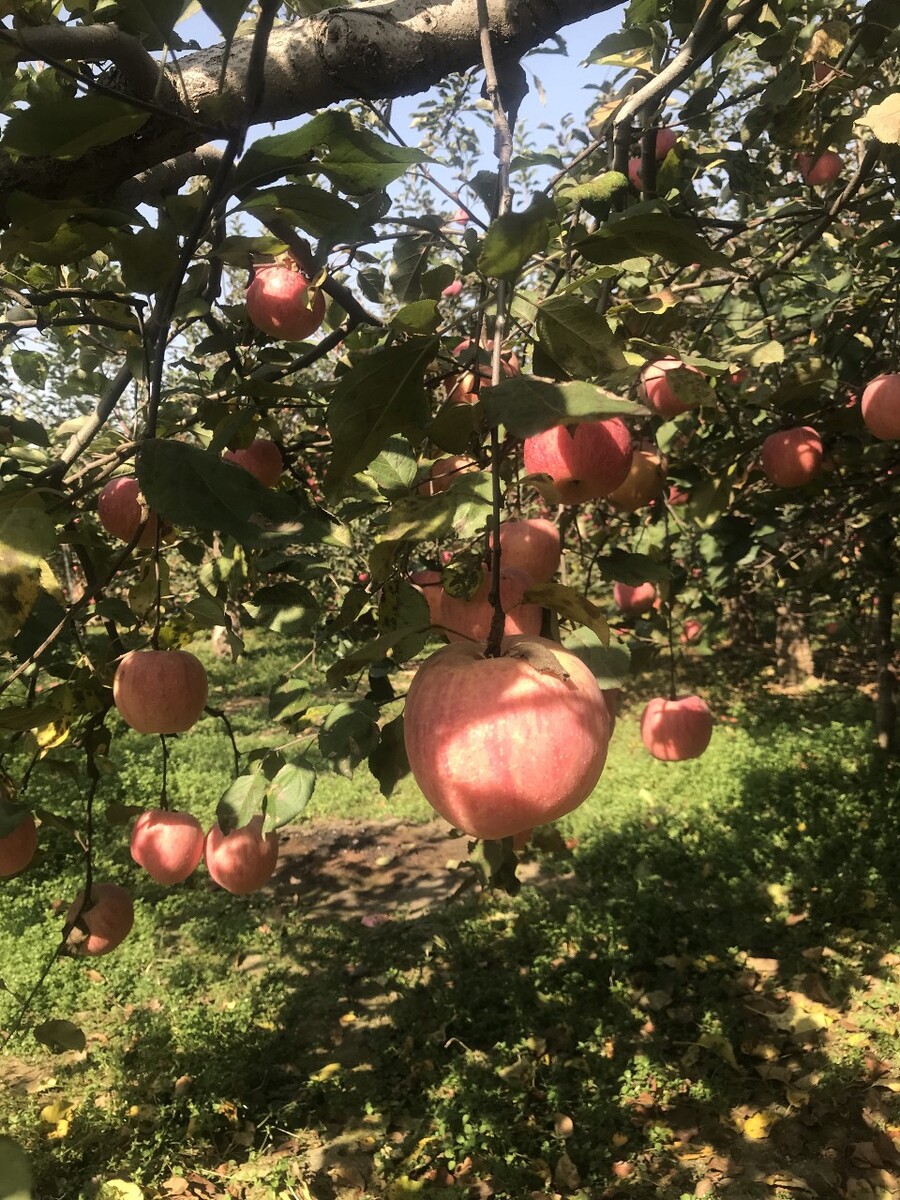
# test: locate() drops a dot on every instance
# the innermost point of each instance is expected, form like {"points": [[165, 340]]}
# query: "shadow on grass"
{"points": [[704, 997]]}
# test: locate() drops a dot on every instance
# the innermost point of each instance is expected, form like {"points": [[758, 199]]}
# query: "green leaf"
{"points": [[650, 233], [395, 468], [198, 490], [577, 338], [632, 569], [57, 1036], [611, 665], [596, 191], [146, 258], [224, 14], [374, 650], [402, 606], [241, 801], [289, 699], [381, 395], [463, 509], [286, 607], [27, 536], [61, 126], [421, 316], [316, 210], [527, 404], [288, 795], [349, 734], [150, 20], [513, 238], [388, 761], [571, 605], [15, 1171], [410, 265]]}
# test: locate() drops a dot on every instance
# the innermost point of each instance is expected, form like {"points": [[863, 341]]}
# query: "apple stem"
{"points": [[163, 791], [229, 729]]}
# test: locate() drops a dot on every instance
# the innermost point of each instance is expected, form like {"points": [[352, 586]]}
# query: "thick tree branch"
{"points": [[373, 50]]}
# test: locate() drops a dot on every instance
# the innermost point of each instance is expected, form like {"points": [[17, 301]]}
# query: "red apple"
{"points": [[822, 170], [470, 620], [167, 844], [585, 462], [665, 141], [691, 631], [634, 171], [674, 730], [17, 847], [792, 457], [281, 303], [243, 860], [634, 600], [881, 407], [677, 496], [462, 389], [531, 546], [662, 397], [452, 289], [261, 458], [121, 510], [460, 217], [645, 480], [160, 691], [107, 917], [499, 745], [444, 472]]}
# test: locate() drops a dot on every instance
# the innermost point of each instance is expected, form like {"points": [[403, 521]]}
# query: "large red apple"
{"points": [[662, 397], [820, 171], [634, 600], [881, 407], [261, 458], [160, 691], [645, 480], [281, 303], [17, 847], [462, 389], [674, 730], [470, 620], [243, 860], [792, 457], [499, 745], [107, 918], [585, 462], [531, 546], [167, 844], [444, 472], [121, 511]]}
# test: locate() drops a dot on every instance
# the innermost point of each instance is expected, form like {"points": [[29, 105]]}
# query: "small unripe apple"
{"points": [[281, 303], [121, 512], [243, 860], [881, 407], [444, 472], [530, 545], [675, 730], [470, 620], [499, 745], [17, 847], [160, 691], [661, 396], [585, 462], [792, 457], [167, 844], [645, 481], [108, 918], [261, 458], [820, 171], [634, 600]]}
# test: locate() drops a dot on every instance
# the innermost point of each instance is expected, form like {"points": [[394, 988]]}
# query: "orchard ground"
{"points": [[696, 991]]}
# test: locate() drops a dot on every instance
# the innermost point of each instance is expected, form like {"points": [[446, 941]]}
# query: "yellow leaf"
{"points": [[50, 736], [119, 1189], [58, 1111], [884, 120], [719, 1044], [326, 1072], [571, 605], [757, 1127]]}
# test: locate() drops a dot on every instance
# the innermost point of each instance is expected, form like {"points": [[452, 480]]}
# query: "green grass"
{"points": [[721, 942]]}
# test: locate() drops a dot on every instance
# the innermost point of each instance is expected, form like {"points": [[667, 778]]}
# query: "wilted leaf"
{"points": [[884, 120], [572, 605]]}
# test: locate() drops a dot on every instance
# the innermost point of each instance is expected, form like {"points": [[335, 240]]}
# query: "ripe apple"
{"points": [[661, 396], [107, 917], [167, 844], [444, 472], [634, 600], [675, 730], [531, 546], [645, 481], [460, 217], [585, 462], [691, 631], [429, 584], [820, 171], [470, 620], [677, 496], [792, 457], [243, 860], [461, 389], [160, 691], [499, 745], [279, 303], [261, 458], [17, 847], [121, 511], [881, 407], [452, 289], [665, 141]]}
